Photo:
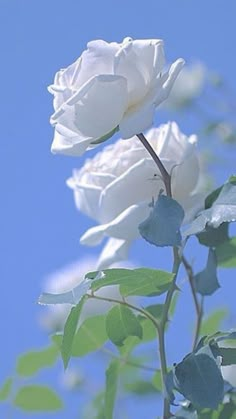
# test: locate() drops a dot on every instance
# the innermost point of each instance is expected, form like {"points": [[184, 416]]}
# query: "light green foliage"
{"points": [[32, 362], [69, 332], [6, 389], [213, 322], [36, 398], [141, 387], [112, 374], [157, 381], [121, 323], [89, 337], [141, 281]]}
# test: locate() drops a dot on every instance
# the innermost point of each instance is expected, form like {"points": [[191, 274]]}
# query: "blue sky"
{"points": [[40, 227]]}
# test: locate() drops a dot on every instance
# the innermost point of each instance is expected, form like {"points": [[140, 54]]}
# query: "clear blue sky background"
{"points": [[40, 227]]}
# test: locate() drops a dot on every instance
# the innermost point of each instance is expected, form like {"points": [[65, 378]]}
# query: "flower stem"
{"points": [[176, 264], [198, 305], [162, 326], [165, 175]]}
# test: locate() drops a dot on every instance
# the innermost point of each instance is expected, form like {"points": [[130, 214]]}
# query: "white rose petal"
{"points": [[118, 184], [110, 86]]}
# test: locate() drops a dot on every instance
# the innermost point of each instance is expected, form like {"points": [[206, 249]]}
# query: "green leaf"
{"points": [[214, 237], [5, 389], [149, 282], [141, 281], [121, 323], [206, 282], [90, 336], [222, 210], [35, 398], [71, 297], [111, 388], [155, 310], [69, 332], [198, 378], [157, 380], [226, 254], [213, 322], [140, 387], [162, 227], [30, 363]]}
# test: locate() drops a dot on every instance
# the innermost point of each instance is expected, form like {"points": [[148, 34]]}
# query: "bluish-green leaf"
{"points": [[36, 398], [185, 413], [30, 363], [222, 210], [206, 282], [170, 386], [213, 237], [141, 281], [162, 227], [228, 355], [213, 322], [198, 378], [121, 323], [71, 297], [112, 374], [6, 389], [69, 332], [226, 254]]}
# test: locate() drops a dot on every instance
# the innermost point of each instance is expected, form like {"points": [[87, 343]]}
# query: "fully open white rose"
{"points": [[116, 187], [111, 86]]}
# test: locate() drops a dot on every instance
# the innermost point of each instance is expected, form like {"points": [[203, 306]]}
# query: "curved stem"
{"points": [[125, 303], [165, 175], [163, 322]]}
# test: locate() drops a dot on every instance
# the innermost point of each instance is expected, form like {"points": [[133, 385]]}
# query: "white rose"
{"points": [[116, 187], [53, 319], [188, 86], [111, 86]]}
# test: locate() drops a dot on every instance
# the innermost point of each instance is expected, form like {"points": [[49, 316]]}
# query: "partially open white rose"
{"points": [[116, 187], [111, 86]]}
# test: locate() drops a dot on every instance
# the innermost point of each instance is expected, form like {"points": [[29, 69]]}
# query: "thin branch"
{"points": [[165, 175], [125, 303]]}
